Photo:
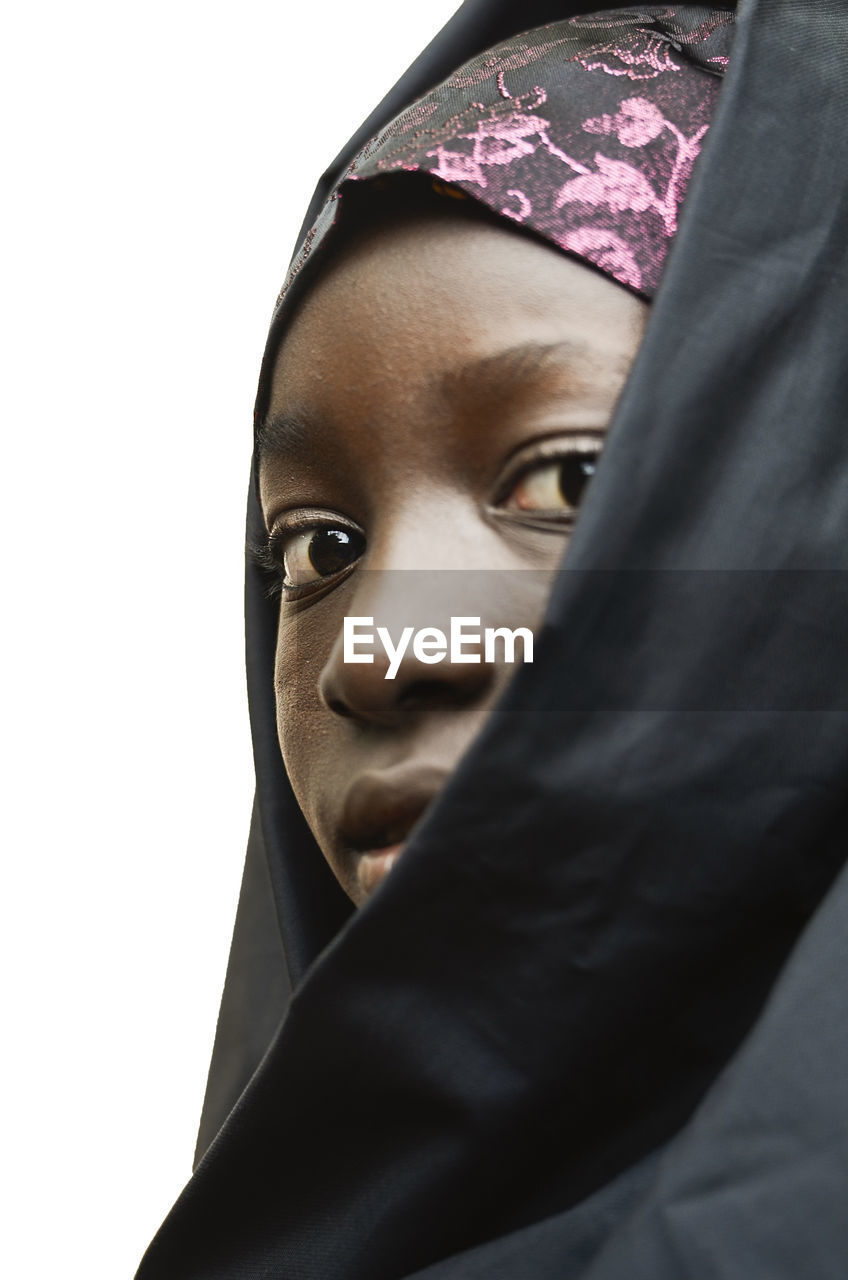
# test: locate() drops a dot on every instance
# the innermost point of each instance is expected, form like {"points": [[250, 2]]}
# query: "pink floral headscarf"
{"points": [[585, 131]]}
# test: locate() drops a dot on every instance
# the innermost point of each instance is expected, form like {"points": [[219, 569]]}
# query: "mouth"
{"points": [[379, 812], [374, 865]]}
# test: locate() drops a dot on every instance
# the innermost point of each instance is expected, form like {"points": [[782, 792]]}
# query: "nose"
{"points": [[399, 615], [408, 604]]}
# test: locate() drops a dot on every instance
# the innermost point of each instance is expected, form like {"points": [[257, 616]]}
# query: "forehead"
{"points": [[432, 314], [417, 276]]}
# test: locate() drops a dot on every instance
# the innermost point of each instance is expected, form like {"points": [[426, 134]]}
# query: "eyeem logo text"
{"points": [[430, 644]]}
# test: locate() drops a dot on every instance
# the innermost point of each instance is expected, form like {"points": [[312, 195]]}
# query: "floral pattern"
{"points": [[644, 57], [619, 185], [585, 130]]}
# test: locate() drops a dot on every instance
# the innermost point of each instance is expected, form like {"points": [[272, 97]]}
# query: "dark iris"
{"points": [[574, 475], [331, 550]]}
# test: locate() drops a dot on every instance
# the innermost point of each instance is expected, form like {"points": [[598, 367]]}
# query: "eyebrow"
{"points": [[291, 431], [283, 433], [506, 370]]}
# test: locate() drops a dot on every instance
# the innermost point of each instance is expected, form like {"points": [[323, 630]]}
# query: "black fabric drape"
{"points": [[256, 991], [595, 1061]]}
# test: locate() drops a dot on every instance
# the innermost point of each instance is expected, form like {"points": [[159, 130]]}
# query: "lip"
{"points": [[375, 865], [379, 811]]}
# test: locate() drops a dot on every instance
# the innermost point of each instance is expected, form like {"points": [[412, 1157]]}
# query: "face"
{"points": [[438, 405]]}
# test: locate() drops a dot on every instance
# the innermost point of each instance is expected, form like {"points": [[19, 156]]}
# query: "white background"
{"points": [[157, 162]]}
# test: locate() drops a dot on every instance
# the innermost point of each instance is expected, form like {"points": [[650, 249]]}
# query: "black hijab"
{"points": [[637, 1068]]}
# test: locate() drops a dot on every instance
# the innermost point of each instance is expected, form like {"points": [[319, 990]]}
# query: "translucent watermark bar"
{"points": [[705, 640]]}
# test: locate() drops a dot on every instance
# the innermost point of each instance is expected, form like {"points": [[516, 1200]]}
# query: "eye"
{"points": [[555, 483], [308, 556]]}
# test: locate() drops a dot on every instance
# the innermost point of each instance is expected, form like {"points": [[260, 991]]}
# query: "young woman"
{"points": [[534, 970]]}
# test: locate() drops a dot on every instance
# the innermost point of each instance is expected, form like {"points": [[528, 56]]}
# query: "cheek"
{"points": [[301, 715]]}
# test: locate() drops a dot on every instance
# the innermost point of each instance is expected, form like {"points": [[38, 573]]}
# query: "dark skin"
{"points": [[438, 404]]}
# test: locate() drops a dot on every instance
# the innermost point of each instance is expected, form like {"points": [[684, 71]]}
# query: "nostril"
{"points": [[339, 708]]}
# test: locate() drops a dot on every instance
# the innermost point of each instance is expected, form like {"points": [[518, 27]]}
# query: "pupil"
{"points": [[333, 549], [574, 474]]}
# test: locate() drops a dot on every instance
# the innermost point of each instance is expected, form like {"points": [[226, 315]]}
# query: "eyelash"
{"points": [[268, 553], [587, 444]]}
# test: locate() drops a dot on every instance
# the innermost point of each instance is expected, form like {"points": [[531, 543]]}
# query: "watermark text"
{"points": [[431, 644]]}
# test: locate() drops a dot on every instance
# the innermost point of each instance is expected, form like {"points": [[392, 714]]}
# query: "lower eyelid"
{"points": [[556, 522], [315, 590]]}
